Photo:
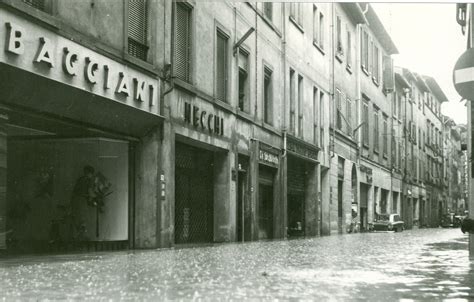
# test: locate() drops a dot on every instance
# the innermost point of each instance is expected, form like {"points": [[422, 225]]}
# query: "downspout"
{"points": [[332, 140], [168, 70], [284, 130]]}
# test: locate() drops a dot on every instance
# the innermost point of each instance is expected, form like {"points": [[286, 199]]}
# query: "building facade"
{"points": [[152, 123]]}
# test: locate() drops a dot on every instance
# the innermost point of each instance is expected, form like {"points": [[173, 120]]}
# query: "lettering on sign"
{"points": [[269, 158], [302, 149], [78, 62], [202, 119]]}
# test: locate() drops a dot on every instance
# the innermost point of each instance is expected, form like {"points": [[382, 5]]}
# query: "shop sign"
{"points": [[302, 148], [368, 173], [29, 47], [193, 115], [268, 155]]}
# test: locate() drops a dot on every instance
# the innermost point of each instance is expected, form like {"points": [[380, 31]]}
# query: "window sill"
{"points": [[365, 70], [349, 68], [376, 151], [300, 28], [365, 145], [46, 17], [245, 116], [318, 47], [385, 155], [339, 57], [140, 63], [375, 81], [270, 128]]}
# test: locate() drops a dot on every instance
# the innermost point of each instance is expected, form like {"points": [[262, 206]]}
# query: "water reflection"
{"points": [[421, 264]]}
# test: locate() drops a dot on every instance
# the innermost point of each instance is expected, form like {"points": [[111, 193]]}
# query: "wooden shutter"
{"points": [[182, 39], [137, 28], [38, 4], [221, 66]]}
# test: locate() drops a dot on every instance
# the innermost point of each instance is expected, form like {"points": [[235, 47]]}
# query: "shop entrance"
{"points": [[194, 196], [67, 186], [265, 203], [364, 201], [296, 197], [243, 204]]}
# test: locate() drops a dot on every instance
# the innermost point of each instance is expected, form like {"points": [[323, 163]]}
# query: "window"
{"points": [[365, 50], [376, 130], [321, 119], [243, 80], [349, 116], [315, 25], [365, 120], [349, 48], [268, 10], [267, 97], [385, 136], [339, 47], [296, 13], [376, 65], [399, 101], [292, 102], [371, 57], [338, 109], [221, 65], [182, 42], [38, 4], [315, 115], [394, 105], [138, 29], [300, 105], [321, 30]]}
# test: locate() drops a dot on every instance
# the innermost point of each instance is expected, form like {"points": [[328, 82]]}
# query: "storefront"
{"points": [[302, 188], [267, 208], [71, 122], [365, 186]]}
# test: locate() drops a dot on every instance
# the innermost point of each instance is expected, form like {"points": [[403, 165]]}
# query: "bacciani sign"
{"points": [[29, 47]]}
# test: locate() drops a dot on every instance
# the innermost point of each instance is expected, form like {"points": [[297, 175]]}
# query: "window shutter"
{"points": [[388, 74], [137, 28], [182, 47], [221, 68], [38, 4]]}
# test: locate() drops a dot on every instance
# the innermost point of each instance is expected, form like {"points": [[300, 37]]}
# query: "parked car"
{"points": [[388, 222], [448, 220]]}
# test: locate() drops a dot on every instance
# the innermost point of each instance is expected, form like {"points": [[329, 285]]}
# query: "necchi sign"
{"points": [[34, 49], [207, 121]]}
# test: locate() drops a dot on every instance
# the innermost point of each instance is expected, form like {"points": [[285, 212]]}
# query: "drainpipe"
{"points": [[284, 130], [332, 141]]}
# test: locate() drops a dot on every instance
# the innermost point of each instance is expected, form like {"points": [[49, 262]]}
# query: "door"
{"points": [[339, 205], [265, 211], [193, 195], [296, 213]]}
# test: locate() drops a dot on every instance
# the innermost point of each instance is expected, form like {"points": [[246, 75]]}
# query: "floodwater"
{"points": [[425, 264]]}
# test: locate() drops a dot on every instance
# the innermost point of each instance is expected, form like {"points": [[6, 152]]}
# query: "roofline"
{"points": [[354, 12], [378, 29], [436, 89]]}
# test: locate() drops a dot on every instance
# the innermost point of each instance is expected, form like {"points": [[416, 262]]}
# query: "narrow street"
{"points": [[415, 264]]}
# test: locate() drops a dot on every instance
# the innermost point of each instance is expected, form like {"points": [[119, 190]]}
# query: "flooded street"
{"points": [[419, 264]]}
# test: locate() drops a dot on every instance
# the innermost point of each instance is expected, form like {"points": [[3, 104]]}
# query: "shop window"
{"points": [[221, 65], [267, 96], [182, 42], [243, 80], [138, 29]]}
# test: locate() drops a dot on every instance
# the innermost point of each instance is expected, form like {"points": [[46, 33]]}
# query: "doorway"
{"points": [[265, 203]]}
